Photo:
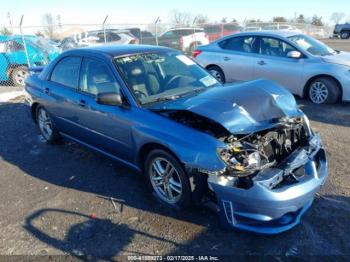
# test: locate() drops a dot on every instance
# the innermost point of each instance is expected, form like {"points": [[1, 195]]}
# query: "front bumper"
{"points": [[271, 205]]}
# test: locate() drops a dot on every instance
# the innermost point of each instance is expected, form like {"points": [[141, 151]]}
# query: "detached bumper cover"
{"points": [[271, 206]]}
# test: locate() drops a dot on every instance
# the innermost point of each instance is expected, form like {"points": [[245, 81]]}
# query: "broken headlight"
{"points": [[241, 162]]}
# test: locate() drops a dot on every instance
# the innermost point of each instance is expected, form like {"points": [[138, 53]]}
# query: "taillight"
{"points": [[133, 41], [195, 53]]}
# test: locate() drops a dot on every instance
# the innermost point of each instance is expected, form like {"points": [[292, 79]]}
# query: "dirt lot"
{"points": [[57, 200]]}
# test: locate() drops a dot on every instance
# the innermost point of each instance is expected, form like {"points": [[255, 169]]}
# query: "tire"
{"points": [[216, 72], [47, 129], [18, 75], [178, 183], [345, 34], [324, 90]]}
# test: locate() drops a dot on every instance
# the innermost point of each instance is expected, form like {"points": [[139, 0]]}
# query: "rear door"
{"points": [[62, 101], [274, 64], [237, 58]]}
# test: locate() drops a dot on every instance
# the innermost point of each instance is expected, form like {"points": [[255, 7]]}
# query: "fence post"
{"points": [[104, 29], [24, 43], [156, 28], [194, 33]]}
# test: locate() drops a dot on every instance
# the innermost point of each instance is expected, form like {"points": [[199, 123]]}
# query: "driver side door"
{"points": [[106, 127], [273, 63]]}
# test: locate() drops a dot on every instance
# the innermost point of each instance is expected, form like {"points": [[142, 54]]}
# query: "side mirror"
{"points": [[111, 99], [294, 54]]}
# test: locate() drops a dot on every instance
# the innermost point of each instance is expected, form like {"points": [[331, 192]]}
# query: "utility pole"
{"points": [[104, 29], [10, 21]]}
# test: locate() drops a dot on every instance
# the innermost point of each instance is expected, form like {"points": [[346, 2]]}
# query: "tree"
{"points": [[279, 19], [301, 19], [317, 20], [5, 31], [201, 19], [178, 18], [233, 20], [337, 17], [50, 25], [223, 20]]}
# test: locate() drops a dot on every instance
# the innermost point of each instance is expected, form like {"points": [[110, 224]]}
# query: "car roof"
{"points": [[119, 50], [278, 33]]}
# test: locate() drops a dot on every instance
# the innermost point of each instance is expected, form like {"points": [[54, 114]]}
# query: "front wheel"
{"points": [[167, 179], [345, 34], [324, 90]]}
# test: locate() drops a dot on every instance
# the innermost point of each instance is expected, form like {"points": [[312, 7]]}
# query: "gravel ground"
{"points": [[58, 200]]}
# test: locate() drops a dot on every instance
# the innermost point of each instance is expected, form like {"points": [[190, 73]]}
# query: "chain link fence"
{"points": [[29, 46]]}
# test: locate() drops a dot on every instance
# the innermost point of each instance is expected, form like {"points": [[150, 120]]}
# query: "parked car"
{"points": [[302, 64], [13, 60], [252, 28], [97, 37], [342, 31], [183, 39], [245, 148], [216, 31]]}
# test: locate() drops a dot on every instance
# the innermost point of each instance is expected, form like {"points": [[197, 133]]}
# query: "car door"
{"points": [[106, 127], [62, 101], [274, 64], [237, 58]]}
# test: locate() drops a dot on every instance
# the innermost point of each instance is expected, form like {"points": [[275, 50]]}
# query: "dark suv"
{"points": [[342, 30]]}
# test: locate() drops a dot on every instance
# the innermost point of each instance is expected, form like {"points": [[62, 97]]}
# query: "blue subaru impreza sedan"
{"points": [[246, 148]]}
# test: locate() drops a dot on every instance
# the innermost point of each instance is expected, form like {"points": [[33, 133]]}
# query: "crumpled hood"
{"points": [[343, 58], [240, 108]]}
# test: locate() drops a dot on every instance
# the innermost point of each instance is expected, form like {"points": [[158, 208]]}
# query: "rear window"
{"points": [[66, 72]]}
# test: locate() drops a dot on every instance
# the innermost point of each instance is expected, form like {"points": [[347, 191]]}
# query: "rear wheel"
{"points": [[46, 127], [167, 179], [216, 72], [324, 90], [345, 34], [19, 75]]}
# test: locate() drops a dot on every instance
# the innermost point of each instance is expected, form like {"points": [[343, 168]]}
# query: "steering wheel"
{"points": [[139, 94], [173, 79]]}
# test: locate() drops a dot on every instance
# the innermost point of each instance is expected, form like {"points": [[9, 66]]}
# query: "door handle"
{"points": [[82, 103], [46, 90], [226, 58], [262, 62]]}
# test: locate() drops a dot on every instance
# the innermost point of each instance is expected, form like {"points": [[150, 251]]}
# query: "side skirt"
{"points": [[135, 167]]}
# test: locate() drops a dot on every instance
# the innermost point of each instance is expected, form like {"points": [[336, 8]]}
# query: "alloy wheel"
{"points": [[45, 124], [165, 180], [216, 74], [318, 92]]}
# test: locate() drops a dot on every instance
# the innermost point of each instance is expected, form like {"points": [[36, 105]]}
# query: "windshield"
{"points": [[311, 45], [154, 77]]}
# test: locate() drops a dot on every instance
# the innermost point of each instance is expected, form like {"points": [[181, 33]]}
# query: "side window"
{"points": [[274, 47], [14, 46], [97, 78], [245, 44], [169, 34], [66, 72]]}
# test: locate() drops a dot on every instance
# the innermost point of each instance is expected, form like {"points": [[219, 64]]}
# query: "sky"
{"points": [[146, 11]]}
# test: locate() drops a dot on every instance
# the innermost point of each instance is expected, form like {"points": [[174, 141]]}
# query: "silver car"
{"points": [[302, 64]]}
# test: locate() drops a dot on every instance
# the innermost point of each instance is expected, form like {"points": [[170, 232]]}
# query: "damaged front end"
{"points": [[271, 163], [270, 178]]}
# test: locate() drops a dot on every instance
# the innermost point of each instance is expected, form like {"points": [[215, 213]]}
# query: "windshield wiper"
{"points": [[165, 98]]}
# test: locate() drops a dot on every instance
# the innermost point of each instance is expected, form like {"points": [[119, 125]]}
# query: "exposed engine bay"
{"points": [[246, 155]]}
